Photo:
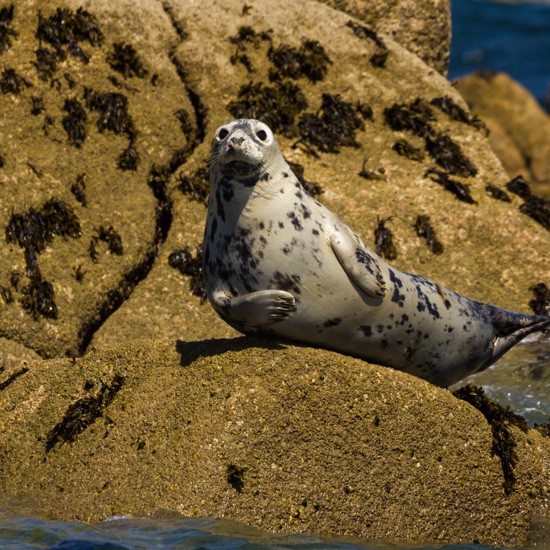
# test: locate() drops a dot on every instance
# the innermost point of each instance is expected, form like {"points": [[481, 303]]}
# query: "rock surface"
{"points": [[104, 143], [519, 126], [423, 27], [283, 438]]}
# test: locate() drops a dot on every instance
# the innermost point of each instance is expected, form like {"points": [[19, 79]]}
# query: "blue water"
{"points": [[174, 534], [514, 38], [503, 36]]}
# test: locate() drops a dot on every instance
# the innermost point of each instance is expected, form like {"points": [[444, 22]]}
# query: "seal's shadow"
{"points": [[190, 351]]}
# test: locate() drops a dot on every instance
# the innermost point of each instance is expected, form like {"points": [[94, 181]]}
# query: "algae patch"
{"points": [[500, 420]]}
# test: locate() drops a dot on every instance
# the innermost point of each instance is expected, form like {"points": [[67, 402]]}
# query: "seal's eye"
{"points": [[262, 135], [223, 133]]}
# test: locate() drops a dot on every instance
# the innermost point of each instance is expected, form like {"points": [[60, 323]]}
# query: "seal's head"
{"points": [[242, 149]]}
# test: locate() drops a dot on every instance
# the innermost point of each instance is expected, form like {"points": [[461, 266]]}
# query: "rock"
{"points": [[422, 27], [519, 126], [284, 438], [102, 270]]}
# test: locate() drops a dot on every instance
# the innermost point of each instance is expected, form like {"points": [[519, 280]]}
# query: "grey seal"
{"points": [[276, 261]]}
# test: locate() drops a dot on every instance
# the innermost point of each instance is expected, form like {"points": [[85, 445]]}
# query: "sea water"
{"points": [[514, 38]]}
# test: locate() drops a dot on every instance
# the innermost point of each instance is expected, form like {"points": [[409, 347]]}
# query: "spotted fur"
{"points": [[277, 261]]}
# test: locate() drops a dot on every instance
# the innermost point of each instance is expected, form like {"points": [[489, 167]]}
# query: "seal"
{"points": [[276, 261]]}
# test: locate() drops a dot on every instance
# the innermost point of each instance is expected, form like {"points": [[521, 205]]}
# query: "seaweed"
{"points": [[247, 35], [310, 61], [313, 189], [333, 126], [78, 189], [125, 60], [540, 303], [35, 229], [449, 155], [129, 158], [46, 63], [113, 111], [535, 207], [2, 161], [6, 294], [82, 414], [405, 149], [414, 117], [497, 193], [423, 228], [74, 123], [383, 240], [379, 57], [460, 190], [109, 236], [500, 419], [65, 29], [178, 27], [189, 263], [38, 299], [196, 185], [6, 17], [368, 174], [12, 83], [185, 122], [235, 477], [454, 111], [277, 105]]}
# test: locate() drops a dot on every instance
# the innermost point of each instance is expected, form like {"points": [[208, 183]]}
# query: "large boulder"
{"points": [[283, 438], [109, 116], [421, 26], [519, 126]]}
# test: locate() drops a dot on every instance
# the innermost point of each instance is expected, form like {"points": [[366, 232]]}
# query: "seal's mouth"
{"points": [[241, 168]]}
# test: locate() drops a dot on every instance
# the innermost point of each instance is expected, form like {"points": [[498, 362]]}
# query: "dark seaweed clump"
{"points": [[497, 193], [500, 420], [277, 105], [416, 117], [12, 83], [113, 111], [540, 303], [460, 190], [65, 29], [235, 477], [313, 189], [423, 228], [74, 123], [33, 231], [247, 36], [383, 240], [82, 414], [310, 61], [113, 116], [46, 63], [367, 174], [333, 126], [405, 149], [454, 111], [6, 17], [124, 59], [37, 106], [196, 185], [2, 161], [379, 58], [78, 189], [189, 263], [109, 236], [533, 206]]}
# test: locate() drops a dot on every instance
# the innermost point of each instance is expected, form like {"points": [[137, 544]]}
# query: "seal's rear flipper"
{"points": [[510, 328]]}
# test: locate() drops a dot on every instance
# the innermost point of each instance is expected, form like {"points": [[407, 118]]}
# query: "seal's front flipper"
{"points": [[361, 264], [256, 309]]}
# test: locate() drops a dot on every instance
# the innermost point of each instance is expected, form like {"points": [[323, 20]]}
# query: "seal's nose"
{"points": [[236, 140]]}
